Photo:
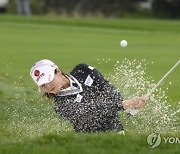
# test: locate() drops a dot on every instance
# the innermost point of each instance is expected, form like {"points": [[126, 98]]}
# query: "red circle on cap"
{"points": [[36, 73]]}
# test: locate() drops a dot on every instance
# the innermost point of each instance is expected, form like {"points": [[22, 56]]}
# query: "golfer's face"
{"points": [[55, 85]]}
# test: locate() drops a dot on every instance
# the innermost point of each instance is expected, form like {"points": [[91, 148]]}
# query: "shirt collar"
{"points": [[71, 84], [74, 88]]}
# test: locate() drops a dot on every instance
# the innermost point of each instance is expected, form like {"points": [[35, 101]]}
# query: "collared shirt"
{"points": [[74, 88], [93, 104], [71, 87]]}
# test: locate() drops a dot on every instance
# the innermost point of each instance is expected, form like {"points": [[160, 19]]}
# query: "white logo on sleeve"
{"points": [[88, 81], [90, 67]]}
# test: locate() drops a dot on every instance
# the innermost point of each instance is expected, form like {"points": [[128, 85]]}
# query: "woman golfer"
{"points": [[83, 97]]}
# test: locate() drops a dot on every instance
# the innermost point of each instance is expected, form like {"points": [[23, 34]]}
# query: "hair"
{"points": [[51, 95]]}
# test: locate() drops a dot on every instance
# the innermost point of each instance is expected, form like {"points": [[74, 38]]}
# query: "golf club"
{"points": [[135, 111]]}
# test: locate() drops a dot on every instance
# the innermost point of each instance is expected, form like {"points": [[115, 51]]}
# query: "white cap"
{"points": [[42, 72]]}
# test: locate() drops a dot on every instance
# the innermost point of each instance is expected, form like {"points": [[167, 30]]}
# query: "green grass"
{"points": [[28, 123], [87, 143]]}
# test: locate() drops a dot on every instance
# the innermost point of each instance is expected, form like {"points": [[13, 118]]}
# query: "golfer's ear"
{"points": [[58, 71]]}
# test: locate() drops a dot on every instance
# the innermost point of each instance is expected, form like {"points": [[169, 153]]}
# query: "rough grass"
{"points": [[86, 143]]}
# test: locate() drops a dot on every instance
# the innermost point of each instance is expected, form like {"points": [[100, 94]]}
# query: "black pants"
{"points": [[102, 125]]}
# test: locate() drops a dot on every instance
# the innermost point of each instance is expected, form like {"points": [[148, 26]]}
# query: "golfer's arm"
{"points": [[127, 104], [134, 103]]}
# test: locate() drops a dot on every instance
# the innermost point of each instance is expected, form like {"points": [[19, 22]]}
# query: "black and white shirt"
{"points": [[91, 103]]}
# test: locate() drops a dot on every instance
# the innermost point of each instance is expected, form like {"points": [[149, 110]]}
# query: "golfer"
{"points": [[83, 97]]}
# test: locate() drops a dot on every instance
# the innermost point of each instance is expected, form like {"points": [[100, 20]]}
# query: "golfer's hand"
{"points": [[136, 103]]}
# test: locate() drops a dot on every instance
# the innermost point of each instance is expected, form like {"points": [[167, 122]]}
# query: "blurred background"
{"points": [[105, 8]]}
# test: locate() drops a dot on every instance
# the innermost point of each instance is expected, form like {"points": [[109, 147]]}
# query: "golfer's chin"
{"points": [[56, 91]]}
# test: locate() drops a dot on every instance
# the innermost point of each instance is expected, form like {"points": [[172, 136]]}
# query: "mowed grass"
{"points": [[71, 41], [28, 122], [103, 143]]}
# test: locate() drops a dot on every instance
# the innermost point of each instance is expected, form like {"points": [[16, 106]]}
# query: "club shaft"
{"points": [[162, 79]]}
